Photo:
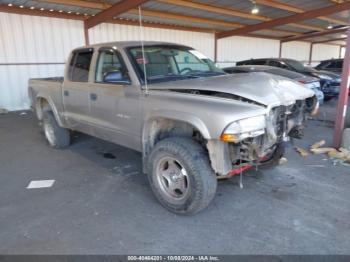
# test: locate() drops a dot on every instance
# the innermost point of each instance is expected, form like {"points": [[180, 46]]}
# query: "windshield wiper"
{"points": [[172, 77], [204, 73]]}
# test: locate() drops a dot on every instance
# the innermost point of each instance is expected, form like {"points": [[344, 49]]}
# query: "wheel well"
{"points": [[41, 106], [161, 128]]}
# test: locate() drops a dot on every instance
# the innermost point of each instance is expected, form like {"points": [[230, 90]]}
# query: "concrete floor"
{"points": [[101, 205]]}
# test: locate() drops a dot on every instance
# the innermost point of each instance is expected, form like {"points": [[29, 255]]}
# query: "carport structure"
{"points": [[313, 22]]}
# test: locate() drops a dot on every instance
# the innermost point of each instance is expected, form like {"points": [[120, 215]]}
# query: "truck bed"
{"points": [[49, 88], [50, 79]]}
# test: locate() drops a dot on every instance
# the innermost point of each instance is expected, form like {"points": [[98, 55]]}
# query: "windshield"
{"points": [[297, 65], [170, 63]]}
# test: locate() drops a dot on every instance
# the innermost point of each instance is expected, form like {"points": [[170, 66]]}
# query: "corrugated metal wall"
{"points": [[233, 49], [32, 39], [296, 50], [204, 42], [322, 52]]}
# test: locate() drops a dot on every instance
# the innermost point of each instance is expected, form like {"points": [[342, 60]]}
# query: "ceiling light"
{"points": [[344, 35], [51, 10], [255, 9], [329, 27], [9, 4], [78, 13], [92, 15], [60, 11], [42, 9], [21, 6], [32, 7]]}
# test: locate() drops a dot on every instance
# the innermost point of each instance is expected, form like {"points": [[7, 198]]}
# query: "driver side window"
{"points": [[110, 62]]}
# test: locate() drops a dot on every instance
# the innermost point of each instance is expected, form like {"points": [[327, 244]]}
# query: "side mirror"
{"points": [[115, 77]]}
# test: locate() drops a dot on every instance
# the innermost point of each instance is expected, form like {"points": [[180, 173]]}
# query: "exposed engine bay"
{"points": [[282, 124]]}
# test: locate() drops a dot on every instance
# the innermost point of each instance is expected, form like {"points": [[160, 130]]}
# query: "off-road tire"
{"points": [[194, 159], [61, 136]]}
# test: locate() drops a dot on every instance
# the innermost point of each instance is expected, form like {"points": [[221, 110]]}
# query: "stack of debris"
{"points": [[338, 156]]}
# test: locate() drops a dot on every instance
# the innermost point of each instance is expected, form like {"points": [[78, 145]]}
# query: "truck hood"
{"points": [[262, 88]]}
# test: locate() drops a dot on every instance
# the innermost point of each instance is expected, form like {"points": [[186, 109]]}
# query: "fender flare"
{"points": [[176, 116], [52, 106]]}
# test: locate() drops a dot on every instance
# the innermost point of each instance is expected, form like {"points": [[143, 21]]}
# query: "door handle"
{"points": [[66, 93], [93, 97]]}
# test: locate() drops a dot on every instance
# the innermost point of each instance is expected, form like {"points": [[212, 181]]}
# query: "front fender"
{"points": [[177, 116]]}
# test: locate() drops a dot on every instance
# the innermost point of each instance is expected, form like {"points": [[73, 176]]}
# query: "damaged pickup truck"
{"points": [[192, 122]]}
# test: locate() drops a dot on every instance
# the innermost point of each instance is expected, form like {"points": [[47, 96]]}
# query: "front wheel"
{"points": [[180, 175]]}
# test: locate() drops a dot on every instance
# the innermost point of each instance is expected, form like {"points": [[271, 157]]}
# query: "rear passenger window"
{"points": [[80, 66], [258, 62]]}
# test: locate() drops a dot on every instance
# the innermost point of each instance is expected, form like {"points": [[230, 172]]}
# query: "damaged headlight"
{"points": [[241, 129]]}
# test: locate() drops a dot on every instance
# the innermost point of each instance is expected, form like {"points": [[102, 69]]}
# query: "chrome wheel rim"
{"points": [[49, 133], [172, 178]]}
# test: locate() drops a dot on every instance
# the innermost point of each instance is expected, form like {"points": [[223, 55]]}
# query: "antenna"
{"points": [[143, 52]]}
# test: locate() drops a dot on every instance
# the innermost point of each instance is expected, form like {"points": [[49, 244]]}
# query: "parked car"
{"points": [[312, 83], [330, 82], [332, 65], [192, 122]]}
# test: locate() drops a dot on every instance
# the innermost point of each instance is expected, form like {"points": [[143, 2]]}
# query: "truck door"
{"points": [[76, 90], [115, 101]]}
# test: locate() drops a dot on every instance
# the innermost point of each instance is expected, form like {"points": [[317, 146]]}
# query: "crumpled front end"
{"points": [[281, 123]]}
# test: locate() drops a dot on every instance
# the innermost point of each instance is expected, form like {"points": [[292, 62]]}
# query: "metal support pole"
{"points": [[280, 51], [343, 96], [215, 49], [340, 48], [310, 53], [86, 34]]}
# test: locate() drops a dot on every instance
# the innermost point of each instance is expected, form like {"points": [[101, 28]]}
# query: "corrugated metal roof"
{"points": [[244, 6]]}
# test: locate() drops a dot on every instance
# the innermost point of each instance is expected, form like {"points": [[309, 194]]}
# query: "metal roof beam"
{"points": [[287, 20], [162, 26], [329, 40], [79, 3], [168, 15], [196, 19], [37, 12], [231, 12], [316, 34], [113, 11], [293, 9]]}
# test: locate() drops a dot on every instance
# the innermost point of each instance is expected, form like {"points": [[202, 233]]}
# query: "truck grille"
{"points": [[279, 120]]}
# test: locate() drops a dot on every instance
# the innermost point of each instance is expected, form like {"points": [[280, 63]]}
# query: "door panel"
{"points": [[76, 91], [115, 113], [115, 102]]}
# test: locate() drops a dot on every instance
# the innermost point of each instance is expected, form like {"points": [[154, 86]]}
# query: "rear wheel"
{"points": [[180, 175], [56, 136]]}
